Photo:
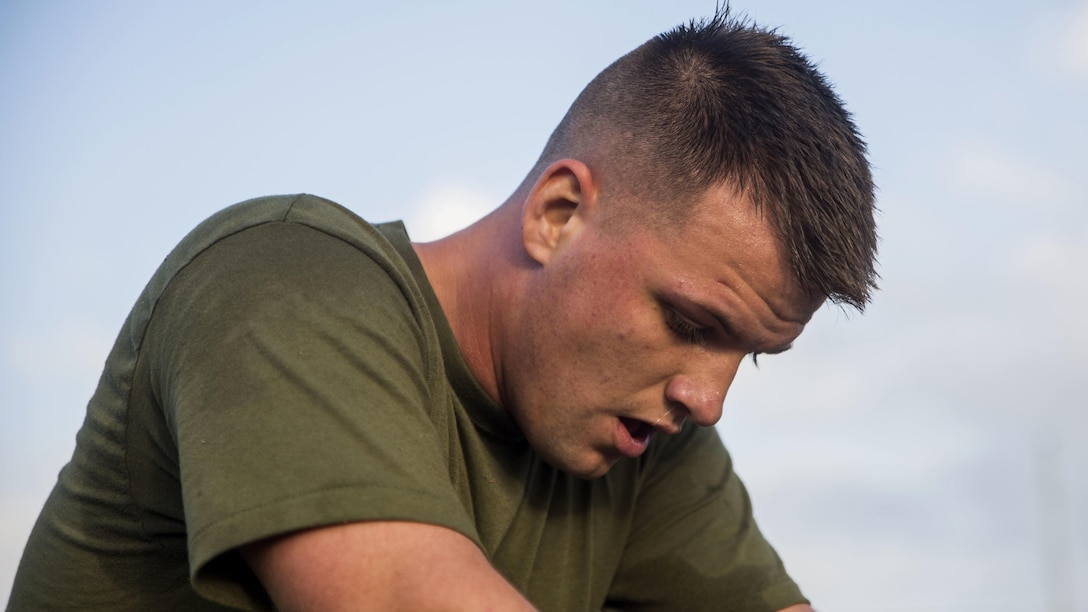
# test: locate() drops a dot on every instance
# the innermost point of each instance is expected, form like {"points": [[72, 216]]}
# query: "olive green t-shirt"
{"points": [[288, 366]]}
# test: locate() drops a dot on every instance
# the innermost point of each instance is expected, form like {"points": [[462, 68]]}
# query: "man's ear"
{"points": [[556, 208]]}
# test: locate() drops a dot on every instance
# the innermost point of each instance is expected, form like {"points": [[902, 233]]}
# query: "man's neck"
{"points": [[467, 271]]}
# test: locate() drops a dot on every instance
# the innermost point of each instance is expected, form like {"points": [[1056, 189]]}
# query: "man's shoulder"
{"points": [[310, 210], [386, 243]]}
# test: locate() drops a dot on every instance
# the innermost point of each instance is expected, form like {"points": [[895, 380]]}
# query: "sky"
{"points": [[922, 456]]}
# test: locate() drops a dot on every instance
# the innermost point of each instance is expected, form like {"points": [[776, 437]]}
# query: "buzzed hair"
{"points": [[723, 100]]}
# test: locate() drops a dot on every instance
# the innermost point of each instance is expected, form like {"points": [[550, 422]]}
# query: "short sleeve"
{"points": [[694, 544], [294, 377]]}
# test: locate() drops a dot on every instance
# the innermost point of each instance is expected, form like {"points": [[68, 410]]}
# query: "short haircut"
{"points": [[726, 101]]}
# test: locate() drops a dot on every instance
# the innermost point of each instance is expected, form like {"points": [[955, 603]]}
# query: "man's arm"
{"points": [[381, 565]]}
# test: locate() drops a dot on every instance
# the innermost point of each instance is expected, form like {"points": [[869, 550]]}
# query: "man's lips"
{"points": [[632, 436]]}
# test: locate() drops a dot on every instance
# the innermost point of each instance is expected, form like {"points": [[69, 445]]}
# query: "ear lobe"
{"points": [[556, 208]]}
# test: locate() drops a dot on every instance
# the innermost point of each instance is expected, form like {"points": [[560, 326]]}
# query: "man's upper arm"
{"points": [[380, 566], [693, 544], [296, 382]]}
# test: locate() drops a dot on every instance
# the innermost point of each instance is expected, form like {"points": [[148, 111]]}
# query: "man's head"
{"points": [[726, 102], [618, 334], [699, 201]]}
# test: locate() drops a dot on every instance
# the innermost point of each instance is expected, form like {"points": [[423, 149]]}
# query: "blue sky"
{"points": [[922, 456]]}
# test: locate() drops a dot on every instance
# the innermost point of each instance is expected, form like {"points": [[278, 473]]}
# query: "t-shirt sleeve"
{"points": [[694, 544], [293, 374]]}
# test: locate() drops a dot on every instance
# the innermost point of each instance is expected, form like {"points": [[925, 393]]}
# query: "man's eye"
{"points": [[685, 329]]}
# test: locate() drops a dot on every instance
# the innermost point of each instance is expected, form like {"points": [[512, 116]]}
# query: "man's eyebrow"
{"points": [[731, 330]]}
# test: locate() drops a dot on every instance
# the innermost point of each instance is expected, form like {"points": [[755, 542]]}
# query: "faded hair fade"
{"points": [[723, 100]]}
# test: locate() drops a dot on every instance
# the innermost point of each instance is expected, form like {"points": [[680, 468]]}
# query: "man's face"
{"points": [[630, 331]]}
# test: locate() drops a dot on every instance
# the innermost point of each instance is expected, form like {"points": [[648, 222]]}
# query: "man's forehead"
{"points": [[726, 242]]}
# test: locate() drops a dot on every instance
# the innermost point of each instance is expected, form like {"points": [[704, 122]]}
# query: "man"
{"points": [[307, 412]]}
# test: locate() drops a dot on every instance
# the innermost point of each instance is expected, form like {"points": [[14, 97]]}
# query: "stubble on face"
{"points": [[594, 348], [565, 377]]}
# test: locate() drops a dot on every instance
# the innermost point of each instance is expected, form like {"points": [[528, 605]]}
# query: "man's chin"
{"points": [[586, 468]]}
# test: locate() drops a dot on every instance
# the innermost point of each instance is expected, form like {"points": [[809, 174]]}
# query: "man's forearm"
{"points": [[382, 566]]}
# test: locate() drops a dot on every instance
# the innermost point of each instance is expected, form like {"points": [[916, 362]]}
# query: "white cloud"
{"points": [[1057, 263], [994, 174], [445, 208], [1072, 45], [1060, 44]]}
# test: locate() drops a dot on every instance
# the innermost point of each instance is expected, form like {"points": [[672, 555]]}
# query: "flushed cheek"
{"points": [[631, 377]]}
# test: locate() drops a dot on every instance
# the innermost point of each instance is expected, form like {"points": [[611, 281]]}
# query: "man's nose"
{"points": [[701, 390]]}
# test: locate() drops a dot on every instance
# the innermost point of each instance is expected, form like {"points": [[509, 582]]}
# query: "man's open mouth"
{"points": [[640, 430]]}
